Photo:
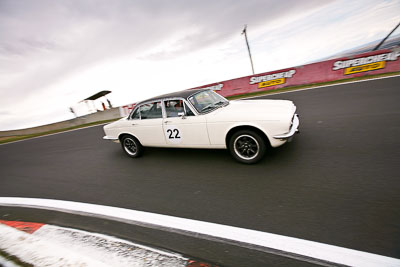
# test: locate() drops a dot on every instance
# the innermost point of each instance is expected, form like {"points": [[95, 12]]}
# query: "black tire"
{"points": [[247, 146], [131, 146]]}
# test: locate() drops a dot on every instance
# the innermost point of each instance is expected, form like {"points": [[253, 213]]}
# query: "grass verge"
{"points": [[14, 260], [22, 137]]}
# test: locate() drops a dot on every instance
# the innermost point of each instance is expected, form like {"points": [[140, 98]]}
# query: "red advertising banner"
{"points": [[371, 63]]}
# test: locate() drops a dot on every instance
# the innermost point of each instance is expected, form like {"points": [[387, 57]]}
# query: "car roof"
{"points": [[180, 94]]}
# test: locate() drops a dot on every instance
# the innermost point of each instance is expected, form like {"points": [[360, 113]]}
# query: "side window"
{"points": [[135, 115], [174, 107], [189, 112], [151, 111]]}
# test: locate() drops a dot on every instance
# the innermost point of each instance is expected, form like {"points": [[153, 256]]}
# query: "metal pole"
{"points": [[248, 47], [376, 48]]}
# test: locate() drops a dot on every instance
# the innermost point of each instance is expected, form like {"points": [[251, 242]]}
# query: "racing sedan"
{"points": [[202, 118]]}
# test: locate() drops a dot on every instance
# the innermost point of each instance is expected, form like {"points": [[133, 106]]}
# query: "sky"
{"points": [[54, 54]]}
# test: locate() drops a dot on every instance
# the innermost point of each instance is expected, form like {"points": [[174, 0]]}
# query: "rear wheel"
{"points": [[247, 146], [131, 146]]}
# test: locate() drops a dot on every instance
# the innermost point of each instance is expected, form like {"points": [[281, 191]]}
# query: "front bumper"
{"points": [[293, 129]]}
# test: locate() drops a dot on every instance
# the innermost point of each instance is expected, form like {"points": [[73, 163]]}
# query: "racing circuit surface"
{"points": [[337, 182]]}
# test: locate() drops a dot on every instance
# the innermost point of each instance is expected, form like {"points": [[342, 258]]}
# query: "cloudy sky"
{"points": [[55, 53]]}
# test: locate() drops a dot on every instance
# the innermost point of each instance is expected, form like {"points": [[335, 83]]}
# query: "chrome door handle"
{"points": [[166, 122]]}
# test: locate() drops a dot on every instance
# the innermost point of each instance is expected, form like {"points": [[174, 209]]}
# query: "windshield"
{"points": [[207, 101]]}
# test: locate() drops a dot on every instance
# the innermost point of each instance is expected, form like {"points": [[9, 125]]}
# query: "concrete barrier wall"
{"points": [[108, 114], [371, 63], [126, 110]]}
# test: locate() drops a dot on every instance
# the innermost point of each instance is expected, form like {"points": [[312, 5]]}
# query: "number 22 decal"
{"points": [[172, 132]]}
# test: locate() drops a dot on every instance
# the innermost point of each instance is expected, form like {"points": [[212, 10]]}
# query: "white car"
{"points": [[204, 119]]}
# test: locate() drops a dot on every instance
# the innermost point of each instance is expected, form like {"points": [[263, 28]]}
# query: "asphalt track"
{"points": [[336, 183]]}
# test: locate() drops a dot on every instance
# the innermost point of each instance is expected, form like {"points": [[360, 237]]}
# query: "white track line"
{"points": [[290, 91], [73, 130], [289, 246]]}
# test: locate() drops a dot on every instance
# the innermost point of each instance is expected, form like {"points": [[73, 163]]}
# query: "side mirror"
{"points": [[182, 115]]}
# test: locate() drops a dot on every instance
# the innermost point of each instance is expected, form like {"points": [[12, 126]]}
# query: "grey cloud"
{"points": [[112, 28], [45, 41], [5, 113]]}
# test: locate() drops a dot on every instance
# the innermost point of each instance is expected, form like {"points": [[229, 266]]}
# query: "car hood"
{"points": [[262, 109]]}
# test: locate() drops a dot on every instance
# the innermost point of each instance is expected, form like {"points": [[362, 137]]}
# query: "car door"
{"points": [[182, 128], [147, 124]]}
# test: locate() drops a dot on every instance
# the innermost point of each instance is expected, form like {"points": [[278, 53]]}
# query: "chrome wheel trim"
{"points": [[246, 147], [130, 146]]}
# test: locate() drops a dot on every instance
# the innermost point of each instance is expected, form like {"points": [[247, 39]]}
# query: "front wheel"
{"points": [[247, 146], [131, 146]]}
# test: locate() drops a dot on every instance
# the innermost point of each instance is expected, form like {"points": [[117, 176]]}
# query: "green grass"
{"points": [[297, 87], [16, 261], [261, 93], [22, 137]]}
